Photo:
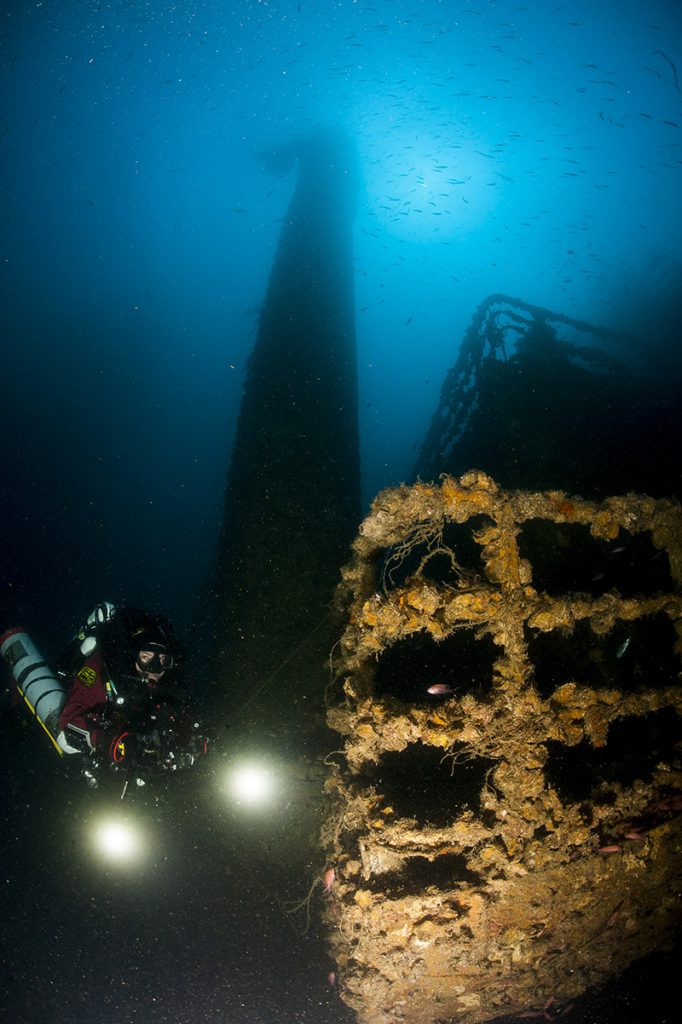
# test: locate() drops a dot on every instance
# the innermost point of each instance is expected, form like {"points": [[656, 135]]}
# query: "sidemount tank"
{"points": [[36, 682]]}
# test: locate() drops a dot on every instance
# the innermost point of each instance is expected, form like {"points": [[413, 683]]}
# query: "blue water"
{"points": [[529, 149]]}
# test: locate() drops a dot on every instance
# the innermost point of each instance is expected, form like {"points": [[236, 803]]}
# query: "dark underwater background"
{"points": [[530, 149]]}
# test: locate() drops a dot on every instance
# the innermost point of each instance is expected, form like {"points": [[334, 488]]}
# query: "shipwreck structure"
{"points": [[540, 399], [293, 492], [506, 828]]}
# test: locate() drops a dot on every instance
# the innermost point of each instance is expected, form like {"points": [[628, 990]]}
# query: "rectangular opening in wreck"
{"points": [[633, 656], [566, 558], [423, 672], [424, 784], [447, 554], [635, 748], [444, 871]]}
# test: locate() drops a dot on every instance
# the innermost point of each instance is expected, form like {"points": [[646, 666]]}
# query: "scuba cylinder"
{"points": [[38, 685]]}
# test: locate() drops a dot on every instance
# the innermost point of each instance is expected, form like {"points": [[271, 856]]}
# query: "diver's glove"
{"points": [[100, 614], [74, 740]]}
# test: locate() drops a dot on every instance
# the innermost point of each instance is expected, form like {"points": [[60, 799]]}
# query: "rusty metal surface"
{"points": [[506, 825]]}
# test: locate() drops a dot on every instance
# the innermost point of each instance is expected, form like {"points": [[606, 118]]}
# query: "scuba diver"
{"points": [[115, 698]]}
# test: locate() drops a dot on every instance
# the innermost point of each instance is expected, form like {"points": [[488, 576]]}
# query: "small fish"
{"points": [[672, 65], [610, 849], [439, 690], [331, 978], [328, 879], [622, 648]]}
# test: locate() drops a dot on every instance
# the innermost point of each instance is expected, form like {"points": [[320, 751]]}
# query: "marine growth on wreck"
{"points": [[507, 792]]}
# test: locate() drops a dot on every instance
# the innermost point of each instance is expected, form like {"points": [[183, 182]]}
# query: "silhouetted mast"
{"points": [[293, 492]]}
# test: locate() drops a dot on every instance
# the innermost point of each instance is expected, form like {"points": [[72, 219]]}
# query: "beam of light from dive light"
{"points": [[251, 784], [118, 840]]}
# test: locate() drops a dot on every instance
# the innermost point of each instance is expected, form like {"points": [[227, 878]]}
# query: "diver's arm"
{"points": [[87, 697]]}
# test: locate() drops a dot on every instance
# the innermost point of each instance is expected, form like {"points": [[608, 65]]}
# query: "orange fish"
{"points": [[328, 879]]}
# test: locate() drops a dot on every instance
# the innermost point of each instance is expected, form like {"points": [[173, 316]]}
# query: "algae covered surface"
{"points": [[505, 831]]}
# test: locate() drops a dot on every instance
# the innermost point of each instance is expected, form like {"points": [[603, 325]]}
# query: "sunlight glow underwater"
{"points": [[435, 190]]}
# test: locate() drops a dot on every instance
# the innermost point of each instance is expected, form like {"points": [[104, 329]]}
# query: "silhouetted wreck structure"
{"points": [[293, 491], [539, 400]]}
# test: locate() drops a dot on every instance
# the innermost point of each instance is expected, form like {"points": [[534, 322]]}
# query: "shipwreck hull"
{"points": [[506, 828]]}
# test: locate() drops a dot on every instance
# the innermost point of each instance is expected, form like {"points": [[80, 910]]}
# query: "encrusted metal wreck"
{"points": [[506, 826]]}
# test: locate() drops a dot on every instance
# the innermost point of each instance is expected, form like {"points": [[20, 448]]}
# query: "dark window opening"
{"points": [[420, 671], [423, 783], [566, 558], [419, 873], [635, 746], [631, 657], [453, 558]]}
